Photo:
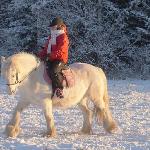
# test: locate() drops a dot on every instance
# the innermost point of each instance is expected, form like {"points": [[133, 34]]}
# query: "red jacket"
{"points": [[58, 51]]}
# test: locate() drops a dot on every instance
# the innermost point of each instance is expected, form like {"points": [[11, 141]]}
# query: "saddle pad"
{"points": [[69, 76], [69, 80]]}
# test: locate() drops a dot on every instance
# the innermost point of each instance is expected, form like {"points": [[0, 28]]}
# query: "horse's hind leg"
{"points": [[104, 115], [13, 127], [87, 115]]}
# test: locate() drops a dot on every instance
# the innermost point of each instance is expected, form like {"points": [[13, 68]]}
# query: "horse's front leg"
{"points": [[13, 127], [47, 107]]}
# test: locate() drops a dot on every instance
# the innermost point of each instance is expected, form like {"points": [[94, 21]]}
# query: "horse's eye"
{"points": [[13, 76]]}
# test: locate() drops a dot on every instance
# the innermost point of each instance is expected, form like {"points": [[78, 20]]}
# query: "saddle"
{"points": [[69, 79]]}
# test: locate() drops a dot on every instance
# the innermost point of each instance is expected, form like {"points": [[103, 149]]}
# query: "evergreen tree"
{"points": [[112, 34]]}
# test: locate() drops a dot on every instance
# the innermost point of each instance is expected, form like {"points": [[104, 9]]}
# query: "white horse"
{"points": [[24, 72]]}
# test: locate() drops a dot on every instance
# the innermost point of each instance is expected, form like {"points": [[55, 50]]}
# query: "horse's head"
{"points": [[10, 74], [15, 68]]}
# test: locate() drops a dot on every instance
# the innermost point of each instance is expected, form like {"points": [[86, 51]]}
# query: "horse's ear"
{"points": [[2, 62]]}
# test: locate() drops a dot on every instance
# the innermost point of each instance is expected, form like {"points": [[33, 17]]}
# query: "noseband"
{"points": [[16, 82]]}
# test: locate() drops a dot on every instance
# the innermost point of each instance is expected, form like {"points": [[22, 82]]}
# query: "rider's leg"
{"points": [[58, 78], [54, 71]]}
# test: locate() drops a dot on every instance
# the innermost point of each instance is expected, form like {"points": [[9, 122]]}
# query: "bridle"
{"points": [[19, 81]]}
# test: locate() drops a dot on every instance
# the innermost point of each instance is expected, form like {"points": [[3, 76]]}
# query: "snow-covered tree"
{"points": [[112, 34]]}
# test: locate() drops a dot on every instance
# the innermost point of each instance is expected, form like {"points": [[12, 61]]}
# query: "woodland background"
{"points": [[111, 34]]}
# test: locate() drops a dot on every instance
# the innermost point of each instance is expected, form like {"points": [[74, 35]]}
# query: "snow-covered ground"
{"points": [[130, 105]]}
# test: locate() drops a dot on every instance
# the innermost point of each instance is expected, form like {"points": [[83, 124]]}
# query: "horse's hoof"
{"points": [[86, 131], [12, 131], [50, 134], [112, 128]]}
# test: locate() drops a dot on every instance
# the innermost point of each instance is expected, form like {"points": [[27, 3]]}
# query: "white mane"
{"points": [[23, 61], [23, 56]]}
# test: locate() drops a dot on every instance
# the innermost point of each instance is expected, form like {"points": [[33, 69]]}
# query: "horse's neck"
{"points": [[30, 69], [40, 69], [38, 73], [24, 64]]}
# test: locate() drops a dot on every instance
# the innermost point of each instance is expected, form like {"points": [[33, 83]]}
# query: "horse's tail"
{"points": [[99, 114], [105, 117]]}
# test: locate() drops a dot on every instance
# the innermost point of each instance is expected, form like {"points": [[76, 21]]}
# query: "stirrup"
{"points": [[59, 93]]}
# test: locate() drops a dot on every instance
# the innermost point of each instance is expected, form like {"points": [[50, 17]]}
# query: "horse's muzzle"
{"points": [[11, 91]]}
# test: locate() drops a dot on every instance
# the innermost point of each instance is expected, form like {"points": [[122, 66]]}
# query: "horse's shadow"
{"points": [[78, 133], [64, 134]]}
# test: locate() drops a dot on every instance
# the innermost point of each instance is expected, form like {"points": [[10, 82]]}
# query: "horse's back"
{"points": [[92, 72]]}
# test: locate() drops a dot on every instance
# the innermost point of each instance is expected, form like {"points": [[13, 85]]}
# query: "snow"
{"points": [[130, 105]]}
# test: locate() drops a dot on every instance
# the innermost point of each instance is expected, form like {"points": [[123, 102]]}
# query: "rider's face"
{"points": [[53, 28]]}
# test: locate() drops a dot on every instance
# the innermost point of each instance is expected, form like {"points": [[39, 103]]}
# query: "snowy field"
{"points": [[130, 105]]}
